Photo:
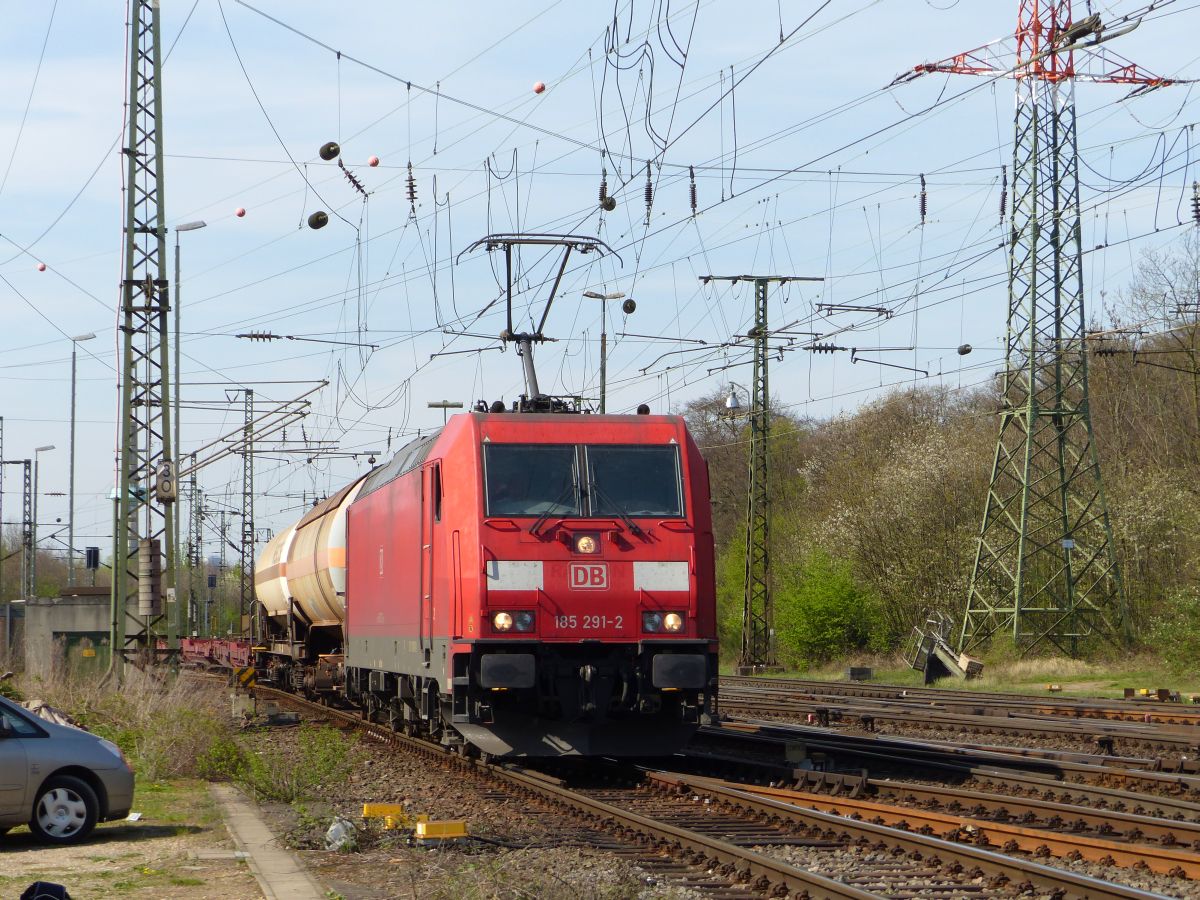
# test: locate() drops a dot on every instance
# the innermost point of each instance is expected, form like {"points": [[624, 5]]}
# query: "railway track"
{"points": [[1176, 745], [1135, 790], [1143, 711], [729, 841], [1098, 825]]}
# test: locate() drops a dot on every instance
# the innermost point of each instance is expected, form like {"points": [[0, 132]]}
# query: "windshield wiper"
{"points": [[624, 516], [567, 490]]}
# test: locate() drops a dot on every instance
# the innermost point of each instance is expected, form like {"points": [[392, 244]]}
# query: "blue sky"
{"points": [[383, 274]]}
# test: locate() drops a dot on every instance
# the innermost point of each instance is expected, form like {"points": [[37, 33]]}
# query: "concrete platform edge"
{"points": [[280, 875]]}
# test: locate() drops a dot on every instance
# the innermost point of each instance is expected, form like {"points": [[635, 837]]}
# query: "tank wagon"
{"points": [[528, 584]]}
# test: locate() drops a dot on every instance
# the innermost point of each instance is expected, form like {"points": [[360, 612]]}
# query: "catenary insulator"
{"points": [[411, 186], [924, 202], [649, 191], [692, 187], [1196, 203], [607, 203], [1003, 192]]}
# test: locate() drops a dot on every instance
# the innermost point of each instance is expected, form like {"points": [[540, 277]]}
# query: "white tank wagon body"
{"points": [[306, 564]]}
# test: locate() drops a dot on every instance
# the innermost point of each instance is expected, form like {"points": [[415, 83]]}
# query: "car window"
{"points": [[18, 725]]}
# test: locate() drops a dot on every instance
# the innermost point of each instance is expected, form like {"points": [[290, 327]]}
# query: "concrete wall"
{"points": [[61, 630]]}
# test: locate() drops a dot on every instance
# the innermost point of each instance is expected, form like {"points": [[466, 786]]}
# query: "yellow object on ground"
{"points": [[449, 830], [382, 810]]}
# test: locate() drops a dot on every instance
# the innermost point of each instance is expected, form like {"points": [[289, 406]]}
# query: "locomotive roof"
{"points": [[406, 459]]}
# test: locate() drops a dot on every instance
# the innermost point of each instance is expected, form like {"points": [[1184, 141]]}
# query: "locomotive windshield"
{"points": [[543, 480], [633, 480], [531, 480]]}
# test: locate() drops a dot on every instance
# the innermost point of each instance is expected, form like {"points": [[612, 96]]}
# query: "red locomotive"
{"points": [[532, 584]]}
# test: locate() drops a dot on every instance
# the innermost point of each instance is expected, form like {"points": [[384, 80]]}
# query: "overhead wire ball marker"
{"points": [[240, 212], [41, 267], [539, 87], [373, 161]]}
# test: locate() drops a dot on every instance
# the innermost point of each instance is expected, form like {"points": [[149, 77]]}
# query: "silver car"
{"points": [[59, 780]]}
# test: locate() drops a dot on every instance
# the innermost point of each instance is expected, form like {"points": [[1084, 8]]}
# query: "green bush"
{"points": [[223, 760], [821, 612], [1175, 632], [731, 575], [324, 758]]}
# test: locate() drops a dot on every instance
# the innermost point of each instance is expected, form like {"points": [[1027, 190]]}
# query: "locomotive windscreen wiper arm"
{"points": [[624, 516], [569, 489]]}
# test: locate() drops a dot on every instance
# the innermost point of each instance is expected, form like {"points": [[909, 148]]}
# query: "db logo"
{"points": [[589, 576]]}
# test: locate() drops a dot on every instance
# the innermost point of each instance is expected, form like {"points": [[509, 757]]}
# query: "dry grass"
{"points": [[163, 724], [1041, 667]]}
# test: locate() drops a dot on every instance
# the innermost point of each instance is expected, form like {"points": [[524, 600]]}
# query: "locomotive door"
{"points": [[431, 512]]}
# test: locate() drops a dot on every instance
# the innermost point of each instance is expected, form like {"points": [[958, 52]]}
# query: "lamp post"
{"points": [[34, 523], [627, 307], [177, 450], [444, 405], [75, 341], [733, 406]]}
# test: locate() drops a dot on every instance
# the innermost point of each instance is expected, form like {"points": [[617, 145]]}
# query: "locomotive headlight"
{"points": [[652, 621], [586, 543], [523, 620], [672, 622], [502, 621]]}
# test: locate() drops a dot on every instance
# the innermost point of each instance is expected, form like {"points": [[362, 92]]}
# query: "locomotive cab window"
{"points": [[531, 480], [634, 480]]}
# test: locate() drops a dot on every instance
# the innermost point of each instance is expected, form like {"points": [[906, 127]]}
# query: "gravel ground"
{"points": [[853, 862], [520, 852], [856, 863]]}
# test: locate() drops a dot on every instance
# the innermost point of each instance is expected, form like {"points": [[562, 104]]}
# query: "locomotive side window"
{"points": [[634, 480], [530, 480]]}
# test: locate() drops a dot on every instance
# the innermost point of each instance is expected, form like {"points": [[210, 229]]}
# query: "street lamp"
{"points": [[34, 539], [627, 307], [176, 451], [444, 405], [75, 341], [733, 406]]}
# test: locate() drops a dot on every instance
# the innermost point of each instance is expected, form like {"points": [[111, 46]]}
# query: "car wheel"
{"points": [[65, 811]]}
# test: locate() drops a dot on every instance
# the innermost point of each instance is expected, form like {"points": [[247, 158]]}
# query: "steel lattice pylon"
{"points": [[246, 605], [195, 552], [1045, 570], [1044, 566], [758, 615], [145, 395], [758, 646]]}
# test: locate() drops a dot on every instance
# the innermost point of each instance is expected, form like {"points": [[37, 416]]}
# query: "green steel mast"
{"points": [[145, 490]]}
